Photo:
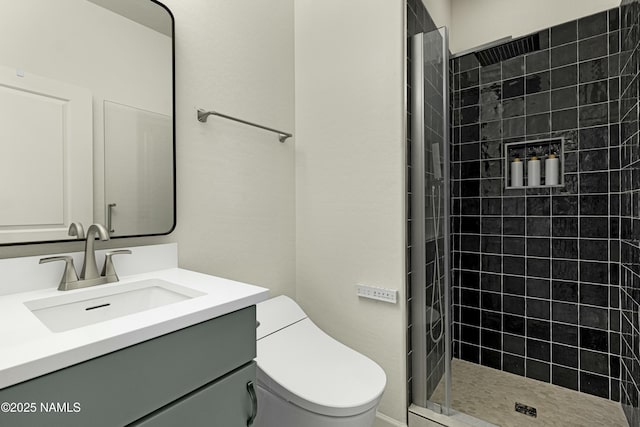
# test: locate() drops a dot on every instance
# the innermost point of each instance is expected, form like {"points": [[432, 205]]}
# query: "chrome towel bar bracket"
{"points": [[203, 115]]}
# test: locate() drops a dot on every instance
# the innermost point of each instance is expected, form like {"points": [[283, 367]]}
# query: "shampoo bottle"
{"points": [[552, 170], [516, 173], [533, 172]]}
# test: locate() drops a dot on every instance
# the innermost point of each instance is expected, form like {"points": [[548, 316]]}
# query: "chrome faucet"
{"points": [[90, 267], [89, 275]]}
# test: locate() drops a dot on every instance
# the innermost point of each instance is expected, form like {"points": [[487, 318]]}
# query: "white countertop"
{"points": [[29, 349]]}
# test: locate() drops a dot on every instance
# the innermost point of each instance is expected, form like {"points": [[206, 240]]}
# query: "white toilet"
{"points": [[308, 379]]}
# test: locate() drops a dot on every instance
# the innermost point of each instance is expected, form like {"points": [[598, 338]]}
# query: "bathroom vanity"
{"points": [[188, 362]]}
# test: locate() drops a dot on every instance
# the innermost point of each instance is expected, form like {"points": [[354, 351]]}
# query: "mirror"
{"points": [[87, 107]]}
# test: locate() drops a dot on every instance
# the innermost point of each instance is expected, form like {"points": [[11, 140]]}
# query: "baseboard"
{"points": [[385, 421], [418, 421]]}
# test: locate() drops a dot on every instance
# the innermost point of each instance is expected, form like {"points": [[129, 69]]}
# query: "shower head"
{"points": [[510, 49]]}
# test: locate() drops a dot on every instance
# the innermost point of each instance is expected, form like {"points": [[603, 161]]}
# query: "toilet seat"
{"points": [[305, 366]]}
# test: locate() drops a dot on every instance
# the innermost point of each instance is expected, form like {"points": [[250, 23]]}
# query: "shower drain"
{"points": [[527, 410]]}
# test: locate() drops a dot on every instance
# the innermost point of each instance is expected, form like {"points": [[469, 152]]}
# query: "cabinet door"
{"points": [[222, 403]]}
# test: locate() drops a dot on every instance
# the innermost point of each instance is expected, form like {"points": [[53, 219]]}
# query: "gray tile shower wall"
{"points": [[536, 271], [629, 213]]}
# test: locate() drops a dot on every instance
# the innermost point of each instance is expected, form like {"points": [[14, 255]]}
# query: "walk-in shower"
{"points": [[523, 301]]}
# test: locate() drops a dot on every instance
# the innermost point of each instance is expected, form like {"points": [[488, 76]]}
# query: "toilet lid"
{"points": [[307, 367]]}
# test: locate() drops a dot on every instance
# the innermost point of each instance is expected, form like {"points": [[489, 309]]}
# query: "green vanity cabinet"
{"points": [[202, 368]]}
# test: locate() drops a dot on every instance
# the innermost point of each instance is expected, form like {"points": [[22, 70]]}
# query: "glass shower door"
{"points": [[430, 189]]}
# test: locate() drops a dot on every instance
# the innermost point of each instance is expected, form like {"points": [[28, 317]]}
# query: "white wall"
{"points": [[235, 183], [440, 11], [66, 41], [350, 177], [476, 22]]}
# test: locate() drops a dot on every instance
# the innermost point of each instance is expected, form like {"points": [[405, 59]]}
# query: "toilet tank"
{"points": [[275, 314]]}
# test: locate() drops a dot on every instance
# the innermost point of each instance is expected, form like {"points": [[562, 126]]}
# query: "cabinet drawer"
{"points": [[224, 403], [121, 387]]}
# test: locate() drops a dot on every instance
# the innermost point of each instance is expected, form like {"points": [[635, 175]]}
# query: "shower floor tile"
{"points": [[490, 395]]}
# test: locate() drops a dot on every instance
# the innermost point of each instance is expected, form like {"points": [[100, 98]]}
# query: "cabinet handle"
{"points": [[110, 207], [254, 403]]}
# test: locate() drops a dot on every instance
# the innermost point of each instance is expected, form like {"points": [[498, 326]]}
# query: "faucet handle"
{"points": [[109, 271], [76, 229], [69, 277]]}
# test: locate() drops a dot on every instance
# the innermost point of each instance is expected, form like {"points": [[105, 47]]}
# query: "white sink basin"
{"points": [[77, 309]]}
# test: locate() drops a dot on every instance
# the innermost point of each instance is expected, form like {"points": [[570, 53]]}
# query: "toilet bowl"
{"points": [[305, 378]]}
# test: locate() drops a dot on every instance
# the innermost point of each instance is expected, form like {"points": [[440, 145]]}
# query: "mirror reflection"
{"points": [[86, 97]]}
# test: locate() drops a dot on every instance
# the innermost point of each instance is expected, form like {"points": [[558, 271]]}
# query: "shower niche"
{"points": [[534, 164]]}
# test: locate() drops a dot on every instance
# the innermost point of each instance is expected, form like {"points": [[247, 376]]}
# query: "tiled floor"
{"points": [[491, 395]]}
